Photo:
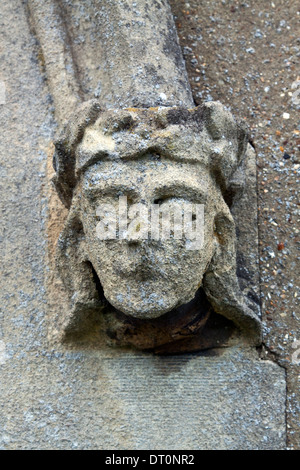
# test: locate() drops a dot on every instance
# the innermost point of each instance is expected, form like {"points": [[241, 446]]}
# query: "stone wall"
{"points": [[59, 397]]}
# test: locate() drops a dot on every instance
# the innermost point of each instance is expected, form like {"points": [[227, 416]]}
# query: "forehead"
{"points": [[148, 175]]}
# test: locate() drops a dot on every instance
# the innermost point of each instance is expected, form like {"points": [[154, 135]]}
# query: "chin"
{"points": [[148, 305]]}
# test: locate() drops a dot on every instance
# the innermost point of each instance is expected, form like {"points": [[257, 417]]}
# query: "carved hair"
{"points": [[212, 117]]}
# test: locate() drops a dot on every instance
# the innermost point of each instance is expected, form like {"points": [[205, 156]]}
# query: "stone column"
{"points": [[130, 50]]}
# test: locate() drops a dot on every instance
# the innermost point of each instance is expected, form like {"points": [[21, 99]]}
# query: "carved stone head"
{"points": [[169, 158]]}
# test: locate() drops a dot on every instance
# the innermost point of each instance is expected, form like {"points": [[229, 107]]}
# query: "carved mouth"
{"points": [[139, 273], [140, 270]]}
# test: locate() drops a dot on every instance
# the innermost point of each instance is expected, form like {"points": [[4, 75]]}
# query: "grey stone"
{"points": [[100, 400], [57, 397], [103, 50], [174, 155]]}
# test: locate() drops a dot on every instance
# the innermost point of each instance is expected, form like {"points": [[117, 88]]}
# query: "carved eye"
{"points": [[158, 201]]}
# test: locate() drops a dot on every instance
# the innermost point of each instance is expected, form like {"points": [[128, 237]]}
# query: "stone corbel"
{"points": [[152, 146]]}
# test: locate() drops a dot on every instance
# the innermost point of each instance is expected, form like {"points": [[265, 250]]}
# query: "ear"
{"points": [[65, 145], [221, 123], [220, 281], [229, 140], [77, 275]]}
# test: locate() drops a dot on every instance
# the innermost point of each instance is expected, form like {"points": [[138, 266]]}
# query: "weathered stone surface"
{"points": [[169, 157], [55, 398], [92, 400], [101, 50], [56, 27], [244, 212]]}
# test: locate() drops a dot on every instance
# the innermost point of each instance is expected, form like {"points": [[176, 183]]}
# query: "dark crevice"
{"points": [[98, 285]]}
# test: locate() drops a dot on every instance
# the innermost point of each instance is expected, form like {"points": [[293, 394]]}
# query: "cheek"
{"points": [[209, 225], [89, 221], [90, 216]]}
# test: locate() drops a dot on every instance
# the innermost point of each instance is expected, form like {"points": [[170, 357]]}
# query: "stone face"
{"points": [[163, 159], [58, 396]]}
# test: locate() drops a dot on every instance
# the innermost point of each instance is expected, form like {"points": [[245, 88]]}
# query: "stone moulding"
{"points": [[149, 294]]}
